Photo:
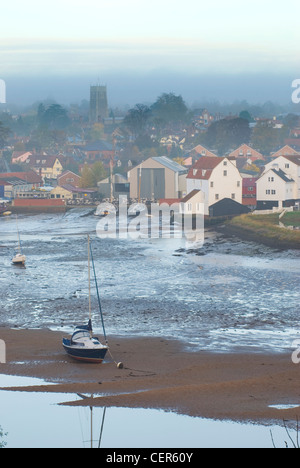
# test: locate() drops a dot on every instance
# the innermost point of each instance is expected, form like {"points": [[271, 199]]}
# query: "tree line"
{"points": [[50, 127]]}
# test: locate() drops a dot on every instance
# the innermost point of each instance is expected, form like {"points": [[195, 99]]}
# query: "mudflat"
{"points": [[160, 373]]}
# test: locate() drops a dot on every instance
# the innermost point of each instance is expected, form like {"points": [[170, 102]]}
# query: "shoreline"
{"points": [[248, 235], [159, 374]]}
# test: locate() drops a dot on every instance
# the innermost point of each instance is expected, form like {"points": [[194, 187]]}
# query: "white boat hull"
{"points": [[19, 259]]}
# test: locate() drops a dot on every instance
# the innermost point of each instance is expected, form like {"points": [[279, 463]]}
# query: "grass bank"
{"points": [[265, 229]]}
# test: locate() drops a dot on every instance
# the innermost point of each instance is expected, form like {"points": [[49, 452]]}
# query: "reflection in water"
{"points": [[92, 426], [2, 438], [39, 420]]}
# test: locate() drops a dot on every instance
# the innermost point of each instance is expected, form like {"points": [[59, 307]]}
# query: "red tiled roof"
{"points": [[245, 149], [293, 158], [204, 151], [31, 177], [189, 196], [37, 160], [286, 150], [169, 201], [203, 168]]}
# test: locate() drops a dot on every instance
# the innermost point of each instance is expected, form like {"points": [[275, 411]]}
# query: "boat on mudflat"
{"points": [[83, 345], [19, 258]]}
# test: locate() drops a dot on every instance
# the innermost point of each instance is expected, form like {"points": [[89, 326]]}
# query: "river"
{"points": [[227, 296]]}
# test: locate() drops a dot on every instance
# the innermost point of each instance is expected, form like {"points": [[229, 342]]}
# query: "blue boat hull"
{"points": [[86, 355]]}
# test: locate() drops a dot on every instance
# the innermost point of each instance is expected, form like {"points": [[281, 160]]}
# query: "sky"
{"points": [[205, 50]]}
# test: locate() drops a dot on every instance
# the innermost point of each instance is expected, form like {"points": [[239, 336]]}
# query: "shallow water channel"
{"points": [[38, 420]]}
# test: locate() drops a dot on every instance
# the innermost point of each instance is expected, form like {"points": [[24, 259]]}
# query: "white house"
{"points": [[290, 165], [275, 189], [217, 178], [193, 203]]}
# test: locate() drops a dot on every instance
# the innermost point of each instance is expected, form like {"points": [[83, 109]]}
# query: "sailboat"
{"points": [[19, 258], [83, 345]]}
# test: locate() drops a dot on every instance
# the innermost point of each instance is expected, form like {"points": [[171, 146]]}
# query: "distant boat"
{"points": [[83, 345], [4, 211], [19, 258], [105, 209]]}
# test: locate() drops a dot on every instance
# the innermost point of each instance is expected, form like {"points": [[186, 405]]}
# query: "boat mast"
{"points": [[19, 240], [140, 184], [89, 274], [98, 295]]}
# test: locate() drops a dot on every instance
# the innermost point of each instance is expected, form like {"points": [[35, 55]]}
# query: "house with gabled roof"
{"points": [[287, 150], [275, 189], [20, 157], [290, 165], [46, 166], [245, 151], [217, 178], [69, 178], [196, 153], [202, 151]]}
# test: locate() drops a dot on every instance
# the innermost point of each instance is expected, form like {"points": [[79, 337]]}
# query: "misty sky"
{"points": [[203, 50]]}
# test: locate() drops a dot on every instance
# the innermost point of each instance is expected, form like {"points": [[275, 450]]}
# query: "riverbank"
{"points": [[159, 373], [263, 229]]}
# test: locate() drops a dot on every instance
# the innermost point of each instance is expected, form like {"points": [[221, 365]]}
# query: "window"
{"points": [[271, 179], [225, 163], [217, 196], [211, 184], [195, 172], [273, 192], [287, 166], [225, 173], [233, 196], [238, 183], [268, 192]]}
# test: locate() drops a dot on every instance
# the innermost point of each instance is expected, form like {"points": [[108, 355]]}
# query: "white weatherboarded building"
{"points": [[217, 178]]}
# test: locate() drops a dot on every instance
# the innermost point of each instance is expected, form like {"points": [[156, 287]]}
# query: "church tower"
{"points": [[98, 103]]}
